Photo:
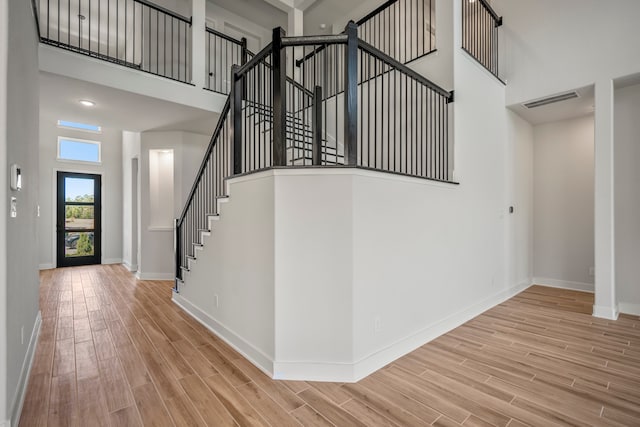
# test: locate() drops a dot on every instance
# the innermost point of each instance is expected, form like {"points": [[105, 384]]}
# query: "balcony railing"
{"points": [[223, 51], [402, 29], [133, 33], [480, 33]]}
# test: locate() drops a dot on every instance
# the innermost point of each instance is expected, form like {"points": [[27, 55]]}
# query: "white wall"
{"points": [[564, 200], [627, 198], [551, 46], [111, 171], [236, 26], [519, 187], [20, 309], [236, 267], [130, 198], [156, 260], [4, 204]]}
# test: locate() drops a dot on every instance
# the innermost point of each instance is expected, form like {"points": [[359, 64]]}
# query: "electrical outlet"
{"points": [[22, 335], [377, 325], [216, 301]]}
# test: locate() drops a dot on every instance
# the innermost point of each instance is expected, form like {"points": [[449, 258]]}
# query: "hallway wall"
{"points": [[20, 310], [111, 171], [563, 220]]}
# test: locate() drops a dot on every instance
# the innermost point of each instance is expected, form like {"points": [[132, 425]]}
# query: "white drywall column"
{"points": [[606, 305], [198, 38], [295, 22], [295, 27]]}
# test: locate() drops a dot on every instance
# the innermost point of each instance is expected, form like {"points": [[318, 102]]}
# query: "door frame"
{"points": [[54, 209]]}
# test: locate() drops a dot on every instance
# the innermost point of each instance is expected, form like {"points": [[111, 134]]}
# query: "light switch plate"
{"points": [[14, 207]]}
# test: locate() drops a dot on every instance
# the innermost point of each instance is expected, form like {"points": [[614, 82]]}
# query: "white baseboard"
{"points": [[564, 284], [629, 308], [112, 261], [154, 276], [46, 267], [344, 372], [18, 401], [606, 312], [131, 267], [251, 353], [353, 372]]}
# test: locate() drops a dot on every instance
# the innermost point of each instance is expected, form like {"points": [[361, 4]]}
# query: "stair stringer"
{"points": [[229, 284]]}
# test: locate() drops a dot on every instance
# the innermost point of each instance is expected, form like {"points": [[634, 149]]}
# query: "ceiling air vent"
{"points": [[551, 99]]}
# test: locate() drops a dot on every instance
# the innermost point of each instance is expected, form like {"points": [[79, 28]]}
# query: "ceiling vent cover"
{"points": [[551, 99]]}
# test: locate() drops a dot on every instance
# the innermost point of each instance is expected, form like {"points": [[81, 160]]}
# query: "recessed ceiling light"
{"points": [[323, 26], [87, 103]]}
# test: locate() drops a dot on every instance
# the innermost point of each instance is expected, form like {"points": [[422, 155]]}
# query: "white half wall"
{"points": [[564, 201], [111, 171], [627, 198]]}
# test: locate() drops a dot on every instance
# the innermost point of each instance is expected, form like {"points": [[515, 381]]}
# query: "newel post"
{"points": [[351, 96], [236, 116], [176, 251], [279, 99]]}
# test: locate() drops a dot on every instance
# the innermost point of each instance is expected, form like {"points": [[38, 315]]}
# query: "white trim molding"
{"points": [[604, 312], [343, 372], [564, 284], [16, 406], [629, 308], [154, 276], [354, 372], [253, 354], [46, 266], [131, 267], [112, 261]]}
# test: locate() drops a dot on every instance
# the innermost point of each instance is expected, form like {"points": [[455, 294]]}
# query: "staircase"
{"points": [[328, 101], [375, 113]]}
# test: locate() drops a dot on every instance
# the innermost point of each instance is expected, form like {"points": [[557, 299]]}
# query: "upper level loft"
{"points": [[193, 44]]}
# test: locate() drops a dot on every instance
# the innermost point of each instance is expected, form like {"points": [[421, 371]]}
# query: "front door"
{"points": [[78, 240]]}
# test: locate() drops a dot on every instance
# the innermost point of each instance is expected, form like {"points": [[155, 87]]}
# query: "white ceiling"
{"points": [[117, 109], [563, 110]]}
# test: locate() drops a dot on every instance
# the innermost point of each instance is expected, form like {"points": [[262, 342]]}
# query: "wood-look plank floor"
{"points": [[114, 351]]}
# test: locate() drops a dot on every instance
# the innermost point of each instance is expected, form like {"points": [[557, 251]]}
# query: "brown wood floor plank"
{"points": [[112, 348], [233, 400], [183, 412], [150, 406], [207, 404]]}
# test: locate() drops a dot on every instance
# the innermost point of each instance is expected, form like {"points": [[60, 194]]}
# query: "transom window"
{"points": [[78, 150], [79, 126]]}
